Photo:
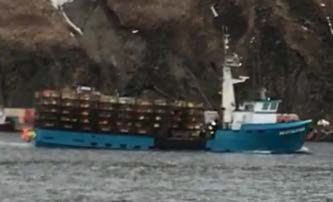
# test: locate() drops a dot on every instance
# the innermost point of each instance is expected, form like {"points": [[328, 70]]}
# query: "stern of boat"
{"points": [[275, 137]]}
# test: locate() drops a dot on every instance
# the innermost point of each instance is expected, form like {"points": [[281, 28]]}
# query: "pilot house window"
{"points": [[274, 106], [265, 106]]}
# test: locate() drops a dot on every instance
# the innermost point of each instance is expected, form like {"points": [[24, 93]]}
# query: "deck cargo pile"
{"points": [[168, 122]]}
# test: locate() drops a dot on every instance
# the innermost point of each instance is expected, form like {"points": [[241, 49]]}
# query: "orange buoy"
{"points": [[25, 135]]}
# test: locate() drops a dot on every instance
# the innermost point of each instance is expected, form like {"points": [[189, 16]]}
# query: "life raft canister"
{"points": [[28, 135]]}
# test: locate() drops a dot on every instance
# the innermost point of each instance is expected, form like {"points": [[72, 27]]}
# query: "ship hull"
{"points": [[276, 138], [67, 138]]}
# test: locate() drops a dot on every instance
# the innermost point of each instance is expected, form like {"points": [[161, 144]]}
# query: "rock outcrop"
{"points": [[36, 51]]}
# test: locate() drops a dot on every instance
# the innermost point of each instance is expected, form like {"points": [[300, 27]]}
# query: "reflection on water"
{"points": [[35, 174]]}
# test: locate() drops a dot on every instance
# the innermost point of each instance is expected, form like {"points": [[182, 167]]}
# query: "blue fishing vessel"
{"points": [[254, 125], [64, 120]]}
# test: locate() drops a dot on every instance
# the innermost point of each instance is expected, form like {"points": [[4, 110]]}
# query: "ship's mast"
{"points": [[228, 103]]}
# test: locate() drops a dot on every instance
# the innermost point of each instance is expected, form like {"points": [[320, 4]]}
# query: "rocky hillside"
{"points": [[169, 48], [36, 51]]}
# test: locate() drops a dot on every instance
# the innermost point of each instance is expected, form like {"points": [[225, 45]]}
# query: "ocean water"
{"points": [[40, 174]]}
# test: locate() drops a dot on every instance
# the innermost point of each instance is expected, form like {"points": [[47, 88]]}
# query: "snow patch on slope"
{"points": [[70, 23], [58, 3]]}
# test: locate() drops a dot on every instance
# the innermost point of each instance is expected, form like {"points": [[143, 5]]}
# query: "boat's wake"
{"points": [[15, 144], [303, 150]]}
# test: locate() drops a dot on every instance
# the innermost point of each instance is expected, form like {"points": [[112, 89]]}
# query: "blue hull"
{"points": [[279, 138], [64, 138]]}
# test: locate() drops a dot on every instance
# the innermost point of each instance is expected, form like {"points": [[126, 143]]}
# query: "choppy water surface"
{"points": [[35, 174]]}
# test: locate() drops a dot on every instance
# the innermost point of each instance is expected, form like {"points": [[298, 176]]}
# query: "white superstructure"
{"points": [[228, 94], [262, 111]]}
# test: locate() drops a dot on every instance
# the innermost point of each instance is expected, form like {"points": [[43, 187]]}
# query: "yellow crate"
{"points": [[105, 129], [69, 95], [85, 121], [50, 93], [126, 100], [85, 105], [160, 102], [48, 124], [103, 122], [108, 99], [85, 113], [144, 102]]}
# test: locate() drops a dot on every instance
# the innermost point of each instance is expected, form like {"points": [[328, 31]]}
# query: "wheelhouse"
{"points": [[261, 106]]}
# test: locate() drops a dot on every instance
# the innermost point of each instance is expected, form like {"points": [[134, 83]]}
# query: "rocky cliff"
{"points": [[169, 48], [36, 51]]}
